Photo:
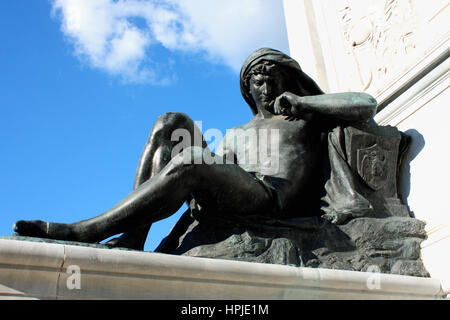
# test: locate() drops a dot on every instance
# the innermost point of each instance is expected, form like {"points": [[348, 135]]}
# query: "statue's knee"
{"points": [[169, 122], [173, 120], [175, 132]]}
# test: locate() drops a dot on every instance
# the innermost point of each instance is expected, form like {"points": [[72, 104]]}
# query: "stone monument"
{"points": [[310, 181]]}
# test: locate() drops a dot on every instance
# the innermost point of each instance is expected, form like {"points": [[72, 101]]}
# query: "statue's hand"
{"points": [[288, 104]]}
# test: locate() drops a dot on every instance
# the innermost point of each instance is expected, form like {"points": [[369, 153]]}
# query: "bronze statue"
{"points": [[285, 101]]}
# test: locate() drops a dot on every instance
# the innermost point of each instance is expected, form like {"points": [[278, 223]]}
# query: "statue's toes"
{"points": [[34, 228], [115, 242], [125, 241], [19, 226]]}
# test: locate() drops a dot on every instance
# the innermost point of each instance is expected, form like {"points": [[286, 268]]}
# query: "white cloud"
{"points": [[117, 35]]}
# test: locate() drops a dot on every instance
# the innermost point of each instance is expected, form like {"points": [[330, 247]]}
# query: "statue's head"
{"points": [[265, 81], [269, 67]]}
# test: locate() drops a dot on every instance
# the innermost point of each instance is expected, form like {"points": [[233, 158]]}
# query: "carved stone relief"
{"points": [[383, 38]]}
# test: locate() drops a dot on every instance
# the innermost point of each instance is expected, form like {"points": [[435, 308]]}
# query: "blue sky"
{"points": [[82, 82]]}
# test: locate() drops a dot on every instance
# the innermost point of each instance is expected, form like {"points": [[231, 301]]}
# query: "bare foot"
{"points": [[42, 229], [126, 240]]}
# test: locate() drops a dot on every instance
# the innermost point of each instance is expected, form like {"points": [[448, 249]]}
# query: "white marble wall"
{"points": [[365, 45], [396, 50]]}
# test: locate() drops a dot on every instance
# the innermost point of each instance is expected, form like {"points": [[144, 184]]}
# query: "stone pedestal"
{"points": [[37, 270]]}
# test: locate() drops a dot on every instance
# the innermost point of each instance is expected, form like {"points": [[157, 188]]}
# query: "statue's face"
{"points": [[264, 89]]}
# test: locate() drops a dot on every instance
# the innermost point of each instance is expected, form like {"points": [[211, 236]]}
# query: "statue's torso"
{"points": [[286, 152]]}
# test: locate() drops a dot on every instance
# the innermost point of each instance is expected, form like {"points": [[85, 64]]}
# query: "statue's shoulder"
{"points": [[237, 129]]}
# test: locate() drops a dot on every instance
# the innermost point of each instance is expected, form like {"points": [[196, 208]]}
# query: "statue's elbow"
{"points": [[369, 105], [371, 111]]}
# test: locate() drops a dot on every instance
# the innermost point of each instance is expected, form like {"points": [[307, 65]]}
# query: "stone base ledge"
{"points": [[36, 270]]}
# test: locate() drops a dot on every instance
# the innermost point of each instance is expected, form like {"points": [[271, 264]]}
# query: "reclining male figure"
{"points": [[285, 101]]}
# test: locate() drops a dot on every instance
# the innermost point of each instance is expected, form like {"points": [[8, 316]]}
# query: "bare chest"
{"points": [[274, 143]]}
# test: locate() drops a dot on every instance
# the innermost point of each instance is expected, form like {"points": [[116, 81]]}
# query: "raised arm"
{"points": [[347, 106]]}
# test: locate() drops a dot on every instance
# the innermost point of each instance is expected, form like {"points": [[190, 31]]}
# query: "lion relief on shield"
{"points": [[373, 166]]}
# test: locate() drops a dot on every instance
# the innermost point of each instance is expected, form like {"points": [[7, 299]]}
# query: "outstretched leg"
{"points": [[224, 186], [155, 156]]}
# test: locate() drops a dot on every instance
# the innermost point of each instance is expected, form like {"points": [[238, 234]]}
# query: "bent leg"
{"points": [[155, 156], [227, 186], [159, 147]]}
